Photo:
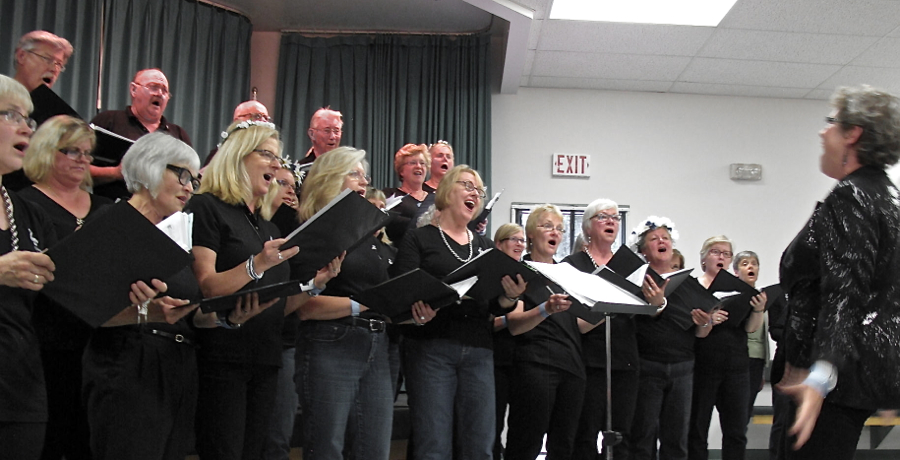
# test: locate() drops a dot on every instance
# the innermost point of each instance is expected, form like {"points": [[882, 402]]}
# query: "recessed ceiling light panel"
{"points": [[676, 12]]}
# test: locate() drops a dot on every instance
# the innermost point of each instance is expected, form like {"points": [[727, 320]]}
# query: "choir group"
{"points": [[162, 377]]}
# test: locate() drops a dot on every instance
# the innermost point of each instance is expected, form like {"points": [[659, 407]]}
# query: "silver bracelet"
{"points": [[251, 272]]}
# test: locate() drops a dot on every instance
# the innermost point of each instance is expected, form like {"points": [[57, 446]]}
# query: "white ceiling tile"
{"points": [[534, 34], [608, 66], [859, 17], [541, 8], [594, 83], [757, 73], [785, 46], [885, 53], [888, 79], [529, 62], [822, 94], [605, 37], [738, 90]]}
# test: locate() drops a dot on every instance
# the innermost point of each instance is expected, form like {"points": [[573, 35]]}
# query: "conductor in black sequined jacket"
{"points": [[842, 276]]}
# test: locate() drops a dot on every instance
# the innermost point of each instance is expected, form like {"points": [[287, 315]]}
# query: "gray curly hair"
{"points": [[877, 112]]}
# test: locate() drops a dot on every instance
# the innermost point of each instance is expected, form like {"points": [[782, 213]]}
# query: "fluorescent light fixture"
{"points": [[676, 12]]}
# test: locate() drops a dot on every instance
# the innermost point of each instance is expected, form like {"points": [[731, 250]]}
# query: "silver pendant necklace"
{"points": [[446, 243], [14, 234], [586, 251]]}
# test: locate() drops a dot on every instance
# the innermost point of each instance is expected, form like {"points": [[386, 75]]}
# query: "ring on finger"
{"points": [[280, 257], [37, 279]]}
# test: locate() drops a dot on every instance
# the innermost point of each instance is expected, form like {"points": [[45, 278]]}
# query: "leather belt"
{"points": [[373, 325], [168, 335]]}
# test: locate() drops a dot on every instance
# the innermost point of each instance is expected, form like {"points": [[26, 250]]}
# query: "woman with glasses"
{"points": [[24, 233], [411, 164], [448, 362], [721, 364], [235, 249], [509, 238], [548, 363], [140, 371], [841, 274], [666, 347], [343, 352], [441, 153], [58, 162], [601, 228]]}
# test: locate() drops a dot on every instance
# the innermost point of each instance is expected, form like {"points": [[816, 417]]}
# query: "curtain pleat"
{"points": [[77, 21], [203, 50], [392, 90]]}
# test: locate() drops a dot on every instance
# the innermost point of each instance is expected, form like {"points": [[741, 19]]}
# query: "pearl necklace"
{"points": [[586, 251], [446, 243], [12, 219]]}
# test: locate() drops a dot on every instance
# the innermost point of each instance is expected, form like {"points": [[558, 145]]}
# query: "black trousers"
{"points": [[22, 441], [543, 399], [726, 389], [67, 426], [593, 412], [503, 378], [835, 436]]}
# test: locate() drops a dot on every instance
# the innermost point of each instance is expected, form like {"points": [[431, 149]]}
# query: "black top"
{"points": [[363, 267], [662, 340], [842, 276], [285, 219], [724, 348], [467, 322], [22, 394], [58, 328], [235, 234], [406, 214], [125, 124], [555, 341], [593, 343]]}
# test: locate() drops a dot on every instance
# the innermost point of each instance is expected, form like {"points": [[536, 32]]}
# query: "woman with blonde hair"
{"points": [[448, 362], [441, 163], [58, 162], [235, 249], [343, 352], [411, 163]]}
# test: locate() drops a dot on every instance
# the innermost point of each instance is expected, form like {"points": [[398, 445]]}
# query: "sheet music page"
{"points": [[462, 287], [583, 285], [178, 226]]}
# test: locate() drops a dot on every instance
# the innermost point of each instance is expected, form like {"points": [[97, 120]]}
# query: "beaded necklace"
{"points": [[12, 219], [446, 243]]}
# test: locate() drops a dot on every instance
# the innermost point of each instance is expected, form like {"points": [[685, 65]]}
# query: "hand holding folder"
{"points": [[394, 298]]}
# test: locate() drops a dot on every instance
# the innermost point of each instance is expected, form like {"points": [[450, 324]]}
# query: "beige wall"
{"points": [[264, 47]]}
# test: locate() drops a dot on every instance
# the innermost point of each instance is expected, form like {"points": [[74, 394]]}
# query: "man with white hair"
{"points": [[251, 110]]}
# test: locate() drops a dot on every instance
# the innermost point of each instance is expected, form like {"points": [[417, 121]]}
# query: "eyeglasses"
{"points": [[358, 176], [156, 89], [726, 254], [185, 177], [269, 156], [548, 227], [607, 217], [50, 61], [330, 131], [254, 117], [75, 154], [15, 118], [515, 239], [470, 187], [416, 163], [284, 183]]}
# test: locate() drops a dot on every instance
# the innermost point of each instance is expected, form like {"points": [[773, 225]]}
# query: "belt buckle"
{"points": [[376, 325], [179, 338]]}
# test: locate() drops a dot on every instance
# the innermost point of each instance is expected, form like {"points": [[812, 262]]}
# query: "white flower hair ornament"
{"points": [[244, 125], [648, 225]]}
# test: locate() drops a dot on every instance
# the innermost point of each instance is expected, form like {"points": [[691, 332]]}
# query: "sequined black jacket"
{"points": [[842, 276]]}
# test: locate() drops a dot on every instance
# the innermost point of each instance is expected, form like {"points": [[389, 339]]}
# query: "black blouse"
{"points": [[58, 328], [468, 322], [842, 276], [593, 343], [235, 234], [22, 394]]}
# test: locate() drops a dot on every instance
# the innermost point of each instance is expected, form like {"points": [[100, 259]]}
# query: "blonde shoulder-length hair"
{"points": [[326, 178], [442, 195], [225, 176], [59, 132]]}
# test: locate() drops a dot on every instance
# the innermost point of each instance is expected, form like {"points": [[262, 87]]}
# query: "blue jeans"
{"points": [[451, 390], [726, 389], [281, 426], [663, 407], [348, 401]]}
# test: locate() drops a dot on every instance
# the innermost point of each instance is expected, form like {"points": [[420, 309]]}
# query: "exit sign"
{"points": [[571, 165]]}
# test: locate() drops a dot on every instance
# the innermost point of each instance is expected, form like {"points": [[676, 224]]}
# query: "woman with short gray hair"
{"points": [[140, 370]]}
